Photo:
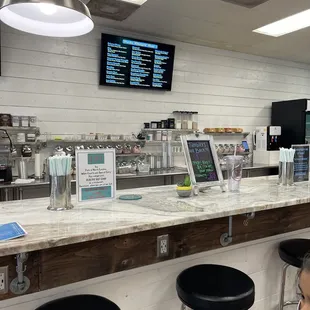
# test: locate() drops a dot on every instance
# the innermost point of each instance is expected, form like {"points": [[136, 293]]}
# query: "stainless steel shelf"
{"points": [[244, 134], [95, 141], [238, 153], [131, 155], [8, 128], [159, 142], [23, 143], [167, 129]]}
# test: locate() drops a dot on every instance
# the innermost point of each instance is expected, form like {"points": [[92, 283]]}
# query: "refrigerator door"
{"points": [[291, 116], [307, 134]]}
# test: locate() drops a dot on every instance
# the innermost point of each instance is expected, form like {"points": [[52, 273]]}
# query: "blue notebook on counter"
{"points": [[11, 231]]}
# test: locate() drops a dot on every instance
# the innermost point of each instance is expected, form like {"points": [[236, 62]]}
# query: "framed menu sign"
{"points": [[95, 174], [301, 162], [202, 161]]}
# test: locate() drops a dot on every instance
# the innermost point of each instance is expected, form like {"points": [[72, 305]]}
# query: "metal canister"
{"points": [[23, 169], [158, 162], [152, 162], [170, 159], [164, 155]]}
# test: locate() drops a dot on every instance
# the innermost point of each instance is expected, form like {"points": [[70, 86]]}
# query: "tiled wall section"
{"points": [[153, 287], [57, 80]]}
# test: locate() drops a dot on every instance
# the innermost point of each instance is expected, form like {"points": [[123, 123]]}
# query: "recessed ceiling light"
{"points": [[138, 2], [287, 25]]}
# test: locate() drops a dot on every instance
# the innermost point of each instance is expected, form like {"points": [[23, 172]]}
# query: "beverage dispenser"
{"points": [[267, 142]]}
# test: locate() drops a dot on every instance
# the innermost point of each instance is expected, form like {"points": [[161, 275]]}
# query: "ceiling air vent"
{"points": [[247, 3], [112, 9]]}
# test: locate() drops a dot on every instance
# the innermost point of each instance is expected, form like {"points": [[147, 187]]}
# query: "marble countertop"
{"points": [[159, 207]]}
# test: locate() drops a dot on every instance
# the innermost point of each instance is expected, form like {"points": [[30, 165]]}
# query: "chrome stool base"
{"points": [[283, 304]]}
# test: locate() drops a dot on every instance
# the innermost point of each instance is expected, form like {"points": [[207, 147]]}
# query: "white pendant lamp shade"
{"points": [[55, 18]]}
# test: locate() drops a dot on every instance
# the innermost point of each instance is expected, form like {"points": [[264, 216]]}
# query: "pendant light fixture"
{"points": [[52, 18]]}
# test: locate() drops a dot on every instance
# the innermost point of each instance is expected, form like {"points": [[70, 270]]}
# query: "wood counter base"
{"points": [[77, 262]]}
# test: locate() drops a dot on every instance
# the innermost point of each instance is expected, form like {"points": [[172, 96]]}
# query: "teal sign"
{"points": [[96, 192], [95, 159]]}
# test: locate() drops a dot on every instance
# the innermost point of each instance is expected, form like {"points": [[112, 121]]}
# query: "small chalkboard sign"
{"points": [[301, 162], [202, 161]]}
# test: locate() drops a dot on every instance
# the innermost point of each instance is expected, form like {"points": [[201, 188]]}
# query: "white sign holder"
{"points": [[209, 142], [95, 175]]}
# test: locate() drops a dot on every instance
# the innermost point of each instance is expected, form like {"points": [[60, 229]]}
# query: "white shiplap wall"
{"points": [[57, 80]]}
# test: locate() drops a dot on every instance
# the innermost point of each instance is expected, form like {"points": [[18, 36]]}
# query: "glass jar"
{"points": [[15, 121], [158, 162], [25, 121], [189, 120], [33, 121], [184, 120], [127, 149], [164, 124], [158, 135], [171, 123], [164, 136], [169, 135], [118, 149], [178, 120], [136, 149], [195, 121]]}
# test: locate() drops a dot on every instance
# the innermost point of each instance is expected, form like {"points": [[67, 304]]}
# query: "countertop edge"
{"points": [[42, 245]]}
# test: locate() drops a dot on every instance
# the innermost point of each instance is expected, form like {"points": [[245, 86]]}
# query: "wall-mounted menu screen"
{"points": [[128, 62], [202, 161]]}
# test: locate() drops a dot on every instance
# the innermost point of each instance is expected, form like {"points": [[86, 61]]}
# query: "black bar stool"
{"points": [[292, 252], [215, 287], [80, 302]]}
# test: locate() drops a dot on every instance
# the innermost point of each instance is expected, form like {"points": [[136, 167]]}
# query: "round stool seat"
{"points": [[293, 251], [215, 287], [80, 302]]}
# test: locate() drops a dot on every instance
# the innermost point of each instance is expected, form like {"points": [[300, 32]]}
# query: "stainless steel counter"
{"points": [[161, 173]]}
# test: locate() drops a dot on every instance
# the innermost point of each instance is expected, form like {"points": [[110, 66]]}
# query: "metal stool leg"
{"points": [[282, 290]]}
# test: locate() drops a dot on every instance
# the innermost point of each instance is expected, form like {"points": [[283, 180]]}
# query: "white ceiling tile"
{"points": [[222, 25]]}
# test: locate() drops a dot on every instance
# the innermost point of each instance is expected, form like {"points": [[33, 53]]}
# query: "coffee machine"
{"points": [[267, 143], [6, 159], [5, 165]]}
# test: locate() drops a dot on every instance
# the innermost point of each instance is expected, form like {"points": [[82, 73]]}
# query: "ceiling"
{"points": [[220, 24]]}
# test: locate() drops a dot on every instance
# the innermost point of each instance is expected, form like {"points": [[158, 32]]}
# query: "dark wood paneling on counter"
{"points": [[64, 265], [32, 272], [77, 262]]}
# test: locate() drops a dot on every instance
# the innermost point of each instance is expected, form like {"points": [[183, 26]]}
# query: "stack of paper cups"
{"points": [[37, 166]]}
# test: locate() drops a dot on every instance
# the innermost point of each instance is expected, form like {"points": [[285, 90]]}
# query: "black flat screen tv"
{"points": [[128, 62]]}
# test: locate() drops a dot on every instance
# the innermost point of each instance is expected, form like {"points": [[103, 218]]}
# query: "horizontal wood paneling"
{"points": [[57, 80], [65, 265], [153, 287], [32, 272]]}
